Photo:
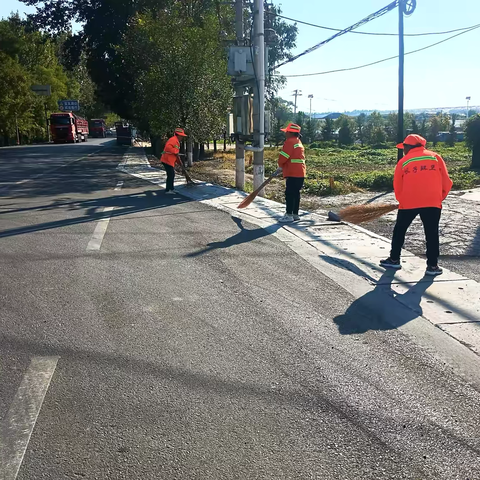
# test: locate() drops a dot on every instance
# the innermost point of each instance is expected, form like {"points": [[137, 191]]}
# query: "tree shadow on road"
{"points": [[94, 210], [245, 235], [382, 308], [80, 176]]}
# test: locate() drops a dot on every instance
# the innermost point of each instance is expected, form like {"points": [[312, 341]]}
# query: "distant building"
{"points": [[325, 116]]}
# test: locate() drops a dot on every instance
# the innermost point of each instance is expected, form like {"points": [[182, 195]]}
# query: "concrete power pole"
{"points": [[239, 146], [296, 93], [259, 94]]}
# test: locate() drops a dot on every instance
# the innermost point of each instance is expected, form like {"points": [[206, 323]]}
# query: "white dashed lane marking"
{"points": [[17, 426], [101, 229]]}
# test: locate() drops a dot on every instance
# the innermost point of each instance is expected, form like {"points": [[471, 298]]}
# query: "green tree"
{"points": [[301, 119], [282, 114], [423, 129], [35, 57], [374, 129], [452, 135], [107, 22], [310, 131], [177, 82], [438, 123], [360, 122], [327, 130], [391, 127], [16, 100], [472, 139], [346, 129], [414, 127]]}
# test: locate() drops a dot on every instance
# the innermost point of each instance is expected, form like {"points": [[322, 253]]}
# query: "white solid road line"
{"points": [[97, 238], [17, 426]]}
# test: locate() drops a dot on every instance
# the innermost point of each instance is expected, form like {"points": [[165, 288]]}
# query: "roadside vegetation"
{"points": [[332, 170]]}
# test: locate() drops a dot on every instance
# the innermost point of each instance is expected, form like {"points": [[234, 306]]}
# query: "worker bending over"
{"points": [[170, 156]]}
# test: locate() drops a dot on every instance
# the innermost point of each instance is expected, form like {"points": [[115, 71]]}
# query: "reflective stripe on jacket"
{"points": [[170, 152], [421, 180], [292, 158]]}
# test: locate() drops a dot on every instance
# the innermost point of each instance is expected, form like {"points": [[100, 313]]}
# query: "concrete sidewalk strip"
{"points": [[450, 302]]}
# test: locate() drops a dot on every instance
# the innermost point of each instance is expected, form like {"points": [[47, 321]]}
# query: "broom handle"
{"points": [[268, 180]]}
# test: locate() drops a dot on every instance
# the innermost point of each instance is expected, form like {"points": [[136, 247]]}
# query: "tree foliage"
{"points": [[27, 57], [346, 130], [281, 114], [472, 138], [438, 123], [181, 73], [327, 130]]}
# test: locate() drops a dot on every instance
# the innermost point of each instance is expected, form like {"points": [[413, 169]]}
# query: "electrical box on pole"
{"points": [[243, 112]]}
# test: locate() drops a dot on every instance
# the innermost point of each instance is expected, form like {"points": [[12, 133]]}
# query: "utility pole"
{"points": [[468, 100], [259, 93], [239, 146], [310, 97], [405, 7], [16, 129], [296, 93], [46, 123], [401, 64]]}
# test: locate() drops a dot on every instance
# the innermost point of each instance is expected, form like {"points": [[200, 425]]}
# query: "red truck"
{"points": [[98, 128], [68, 128]]}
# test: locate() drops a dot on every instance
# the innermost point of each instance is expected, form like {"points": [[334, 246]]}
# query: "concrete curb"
{"points": [[451, 302]]}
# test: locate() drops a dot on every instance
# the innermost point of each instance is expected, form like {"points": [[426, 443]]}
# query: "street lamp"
{"points": [[310, 97], [468, 100]]}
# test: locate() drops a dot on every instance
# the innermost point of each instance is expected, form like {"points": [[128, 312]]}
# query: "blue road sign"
{"points": [[68, 105]]}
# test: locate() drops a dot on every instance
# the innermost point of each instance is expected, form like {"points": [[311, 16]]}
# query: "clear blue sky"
{"points": [[439, 77]]}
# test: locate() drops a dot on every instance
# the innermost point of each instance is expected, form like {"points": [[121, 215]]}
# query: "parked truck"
{"points": [[66, 127], [125, 133], [98, 128]]}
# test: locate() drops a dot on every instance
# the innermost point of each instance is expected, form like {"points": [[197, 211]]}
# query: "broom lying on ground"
{"points": [[248, 200], [365, 213]]}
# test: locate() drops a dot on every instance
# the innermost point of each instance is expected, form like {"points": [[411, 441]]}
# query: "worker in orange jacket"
{"points": [[292, 162], [421, 183], [170, 156]]}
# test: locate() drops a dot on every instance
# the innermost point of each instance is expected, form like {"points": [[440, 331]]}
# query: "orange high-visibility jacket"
{"points": [[421, 180], [292, 158], [170, 152]]}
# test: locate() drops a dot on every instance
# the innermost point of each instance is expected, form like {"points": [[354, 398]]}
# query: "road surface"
{"points": [[148, 336]]}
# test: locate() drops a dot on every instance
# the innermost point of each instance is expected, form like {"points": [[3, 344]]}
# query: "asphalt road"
{"points": [[191, 345]]}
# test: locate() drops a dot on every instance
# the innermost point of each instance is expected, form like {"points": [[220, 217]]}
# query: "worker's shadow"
{"points": [[380, 310], [245, 235]]}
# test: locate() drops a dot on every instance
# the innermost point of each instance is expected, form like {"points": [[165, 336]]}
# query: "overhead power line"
{"points": [[369, 33], [384, 59], [365, 20]]}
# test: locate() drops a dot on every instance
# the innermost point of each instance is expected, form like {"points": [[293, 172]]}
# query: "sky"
{"points": [[438, 77]]}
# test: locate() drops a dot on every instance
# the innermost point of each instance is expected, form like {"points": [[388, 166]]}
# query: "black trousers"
{"points": [[430, 218], [170, 175], [292, 194]]}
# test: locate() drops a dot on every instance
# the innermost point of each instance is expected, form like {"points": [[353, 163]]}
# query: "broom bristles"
{"points": [[365, 213]]}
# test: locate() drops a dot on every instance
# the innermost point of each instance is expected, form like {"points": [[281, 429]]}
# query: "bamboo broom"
{"points": [[365, 213], [248, 200]]}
